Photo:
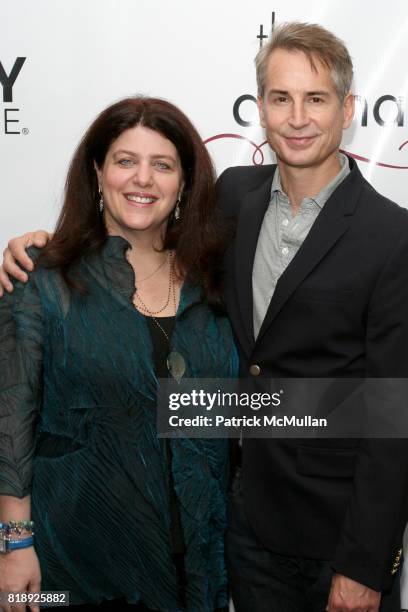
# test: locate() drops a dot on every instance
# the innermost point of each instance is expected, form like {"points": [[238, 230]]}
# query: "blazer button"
{"points": [[255, 370]]}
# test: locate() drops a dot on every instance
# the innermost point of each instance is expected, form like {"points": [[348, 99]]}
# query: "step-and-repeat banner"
{"points": [[62, 62]]}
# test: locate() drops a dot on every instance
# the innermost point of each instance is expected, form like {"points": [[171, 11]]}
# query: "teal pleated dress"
{"points": [[78, 433]]}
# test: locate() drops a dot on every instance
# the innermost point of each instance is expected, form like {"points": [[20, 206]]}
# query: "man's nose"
{"points": [[299, 117]]}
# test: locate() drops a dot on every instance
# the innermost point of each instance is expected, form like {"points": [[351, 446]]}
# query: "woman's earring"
{"points": [[101, 201], [177, 210]]}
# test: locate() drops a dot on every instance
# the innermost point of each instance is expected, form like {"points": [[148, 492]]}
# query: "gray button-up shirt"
{"points": [[281, 236]]}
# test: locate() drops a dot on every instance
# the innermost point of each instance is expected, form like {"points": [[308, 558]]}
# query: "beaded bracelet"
{"points": [[17, 527]]}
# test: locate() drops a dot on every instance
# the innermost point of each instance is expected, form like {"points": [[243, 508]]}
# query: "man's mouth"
{"points": [[300, 141]]}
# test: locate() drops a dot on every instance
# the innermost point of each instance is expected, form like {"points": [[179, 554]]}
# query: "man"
{"points": [[317, 286]]}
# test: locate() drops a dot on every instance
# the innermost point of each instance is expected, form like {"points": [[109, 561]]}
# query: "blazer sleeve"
{"points": [[21, 347], [369, 547]]}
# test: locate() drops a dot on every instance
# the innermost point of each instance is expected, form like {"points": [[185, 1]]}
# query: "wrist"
{"points": [[16, 535], [10, 545]]}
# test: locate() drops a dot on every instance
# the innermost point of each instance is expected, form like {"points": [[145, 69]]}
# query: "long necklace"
{"points": [[175, 361], [171, 289]]}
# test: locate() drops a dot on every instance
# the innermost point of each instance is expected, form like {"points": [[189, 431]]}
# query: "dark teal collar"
{"points": [[120, 275]]}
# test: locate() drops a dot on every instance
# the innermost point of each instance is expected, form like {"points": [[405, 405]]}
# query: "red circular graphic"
{"points": [[239, 137], [258, 150]]}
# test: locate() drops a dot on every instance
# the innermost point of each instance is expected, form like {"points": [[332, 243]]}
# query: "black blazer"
{"points": [[339, 309]]}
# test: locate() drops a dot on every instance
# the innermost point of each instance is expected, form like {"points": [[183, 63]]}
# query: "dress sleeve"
{"points": [[21, 348]]}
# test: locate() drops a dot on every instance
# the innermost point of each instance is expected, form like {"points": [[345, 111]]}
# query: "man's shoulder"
{"points": [[235, 182], [253, 175], [373, 210], [380, 208]]}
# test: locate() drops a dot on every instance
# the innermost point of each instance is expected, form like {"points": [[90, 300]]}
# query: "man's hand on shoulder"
{"points": [[347, 595], [15, 258]]}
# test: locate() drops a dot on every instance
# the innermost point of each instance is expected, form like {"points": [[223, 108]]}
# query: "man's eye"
{"points": [[316, 100], [281, 100]]}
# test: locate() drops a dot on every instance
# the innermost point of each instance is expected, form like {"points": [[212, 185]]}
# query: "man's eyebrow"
{"points": [[318, 93], [283, 92], [278, 91]]}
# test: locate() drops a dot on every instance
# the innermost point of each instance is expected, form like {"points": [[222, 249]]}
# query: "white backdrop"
{"points": [[83, 54]]}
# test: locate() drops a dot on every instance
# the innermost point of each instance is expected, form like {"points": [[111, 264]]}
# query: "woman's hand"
{"points": [[20, 572], [15, 254]]}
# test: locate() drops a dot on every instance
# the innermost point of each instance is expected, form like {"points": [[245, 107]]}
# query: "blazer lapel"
{"points": [[328, 228], [251, 215]]}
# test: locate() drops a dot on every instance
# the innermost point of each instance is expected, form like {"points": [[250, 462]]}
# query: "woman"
{"points": [[125, 292]]}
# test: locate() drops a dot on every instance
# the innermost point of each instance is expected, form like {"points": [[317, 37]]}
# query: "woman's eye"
{"points": [[125, 162], [162, 165]]}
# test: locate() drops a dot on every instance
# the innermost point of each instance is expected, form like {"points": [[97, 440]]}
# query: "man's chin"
{"points": [[298, 161]]}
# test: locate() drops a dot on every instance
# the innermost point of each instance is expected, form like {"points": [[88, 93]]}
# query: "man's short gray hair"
{"points": [[316, 43]]}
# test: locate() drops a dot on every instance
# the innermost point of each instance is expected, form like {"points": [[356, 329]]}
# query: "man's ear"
{"points": [[261, 111], [348, 110]]}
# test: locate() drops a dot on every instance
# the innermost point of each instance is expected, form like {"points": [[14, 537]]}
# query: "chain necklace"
{"points": [[155, 318], [175, 361], [171, 293], [142, 306], [141, 280]]}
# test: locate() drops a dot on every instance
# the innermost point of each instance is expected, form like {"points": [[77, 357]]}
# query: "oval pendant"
{"points": [[176, 365]]}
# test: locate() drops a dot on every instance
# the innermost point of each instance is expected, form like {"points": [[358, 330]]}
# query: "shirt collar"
{"points": [[324, 194]]}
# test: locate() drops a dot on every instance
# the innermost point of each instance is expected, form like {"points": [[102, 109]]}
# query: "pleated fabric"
{"points": [[78, 432]]}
